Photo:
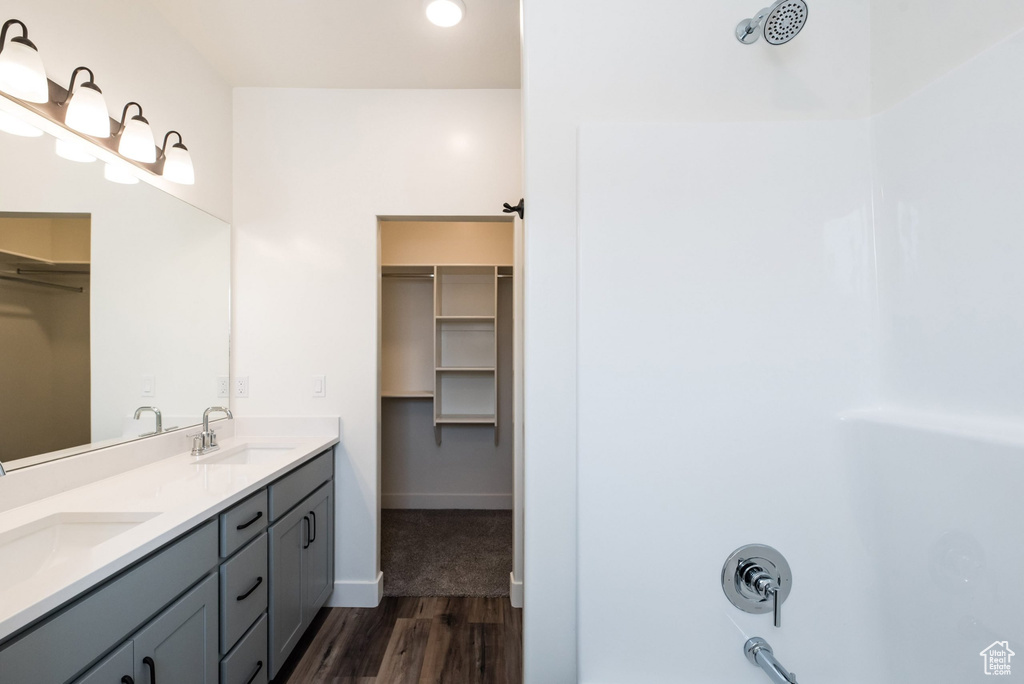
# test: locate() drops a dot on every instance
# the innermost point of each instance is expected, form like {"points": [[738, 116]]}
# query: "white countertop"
{"points": [[180, 494]]}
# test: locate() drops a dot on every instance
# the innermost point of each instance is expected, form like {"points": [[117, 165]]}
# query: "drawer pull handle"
{"points": [[313, 516], [308, 529], [254, 519], [259, 666], [127, 680], [152, 668], [259, 581]]}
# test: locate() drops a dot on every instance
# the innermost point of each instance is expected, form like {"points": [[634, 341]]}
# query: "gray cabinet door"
{"points": [[288, 538], [180, 644], [112, 669], [320, 552]]}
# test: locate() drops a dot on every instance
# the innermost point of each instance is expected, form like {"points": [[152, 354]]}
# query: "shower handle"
{"points": [[757, 579], [760, 581]]}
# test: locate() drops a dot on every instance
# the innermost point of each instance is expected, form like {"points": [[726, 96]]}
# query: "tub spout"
{"points": [[759, 653]]}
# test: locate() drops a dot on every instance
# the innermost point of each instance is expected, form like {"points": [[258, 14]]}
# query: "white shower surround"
{"points": [[776, 277]]}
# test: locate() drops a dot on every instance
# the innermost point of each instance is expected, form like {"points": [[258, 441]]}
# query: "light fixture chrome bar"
{"points": [[40, 283], [53, 112]]}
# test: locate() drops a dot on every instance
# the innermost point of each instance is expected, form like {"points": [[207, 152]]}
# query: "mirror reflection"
{"points": [[112, 297]]}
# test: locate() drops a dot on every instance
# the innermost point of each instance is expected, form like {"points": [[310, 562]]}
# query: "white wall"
{"points": [[137, 57], [914, 42], [313, 171], [659, 60], [949, 161]]}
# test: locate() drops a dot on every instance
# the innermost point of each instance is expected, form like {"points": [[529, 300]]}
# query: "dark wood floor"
{"points": [[414, 641]]}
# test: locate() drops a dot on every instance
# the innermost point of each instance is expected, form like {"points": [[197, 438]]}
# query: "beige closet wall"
{"points": [[467, 470]]}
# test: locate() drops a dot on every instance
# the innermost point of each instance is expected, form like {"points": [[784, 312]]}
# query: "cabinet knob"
{"points": [[127, 680]]}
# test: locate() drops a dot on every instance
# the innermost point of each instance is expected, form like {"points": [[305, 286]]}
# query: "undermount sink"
{"points": [[59, 538], [246, 454]]}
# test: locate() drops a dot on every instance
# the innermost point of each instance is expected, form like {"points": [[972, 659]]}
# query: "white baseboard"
{"points": [[352, 594], [515, 591], [491, 502]]}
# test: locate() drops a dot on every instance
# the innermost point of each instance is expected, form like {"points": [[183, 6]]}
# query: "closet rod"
{"points": [[40, 283], [407, 275], [502, 275], [44, 271]]}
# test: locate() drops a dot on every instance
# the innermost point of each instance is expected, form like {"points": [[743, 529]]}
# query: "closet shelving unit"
{"points": [[463, 347]]}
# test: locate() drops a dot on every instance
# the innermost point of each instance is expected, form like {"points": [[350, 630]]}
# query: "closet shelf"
{"points": [[466, 419], [465, 369], [465, 318], [32, 259], [407, 394]]}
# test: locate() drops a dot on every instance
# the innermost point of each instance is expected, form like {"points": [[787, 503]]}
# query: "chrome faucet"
{"points": [[206, 441], [159, 419], [759, 653]]}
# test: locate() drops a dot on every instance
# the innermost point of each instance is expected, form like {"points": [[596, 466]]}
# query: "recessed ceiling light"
{"points": [[445, 13]]}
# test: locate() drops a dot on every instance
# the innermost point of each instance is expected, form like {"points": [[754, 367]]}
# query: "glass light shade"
{"points": [[118, 175], [445, 13], [87, 112], [178, 166], [73, 152], [137, 141], [21, 72], [15, 126]]}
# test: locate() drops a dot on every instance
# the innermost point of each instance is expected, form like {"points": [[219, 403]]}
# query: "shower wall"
{"points": [[725, 317], [801, 328]]}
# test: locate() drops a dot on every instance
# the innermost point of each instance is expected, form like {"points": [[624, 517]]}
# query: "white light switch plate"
{"points": [[319, 386], [148, 386], [241, 384]]}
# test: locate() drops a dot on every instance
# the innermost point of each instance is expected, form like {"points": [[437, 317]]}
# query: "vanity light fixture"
{"points": [[21, 68], [445, 13], [116, 174], [177, 161], [15, 126], [31, 104], [86, 107], [136, 137]]}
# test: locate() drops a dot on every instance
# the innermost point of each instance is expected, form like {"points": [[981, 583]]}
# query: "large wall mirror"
{"points": [[112, 297]]}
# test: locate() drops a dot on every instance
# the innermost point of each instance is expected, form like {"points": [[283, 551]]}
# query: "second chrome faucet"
{"points": [[206, 441]]}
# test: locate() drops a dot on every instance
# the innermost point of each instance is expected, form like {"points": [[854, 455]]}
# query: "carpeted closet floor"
{"points": [[446, 552]]}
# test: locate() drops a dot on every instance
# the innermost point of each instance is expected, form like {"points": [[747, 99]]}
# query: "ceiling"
{"points": [[350, 43]]}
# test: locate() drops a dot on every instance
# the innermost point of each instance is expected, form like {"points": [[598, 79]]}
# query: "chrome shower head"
{"points": [[779, 23]]}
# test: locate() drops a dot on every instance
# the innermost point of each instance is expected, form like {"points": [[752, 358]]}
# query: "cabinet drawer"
{"points": [[243, 522], [247, 662], [293, 488], [243, 591]]}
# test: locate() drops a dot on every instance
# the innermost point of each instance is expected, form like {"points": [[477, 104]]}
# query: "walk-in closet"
{"points": [[447, 329]]}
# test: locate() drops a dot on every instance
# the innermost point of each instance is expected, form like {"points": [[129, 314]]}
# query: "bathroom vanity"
{"points": [[172, 568]]}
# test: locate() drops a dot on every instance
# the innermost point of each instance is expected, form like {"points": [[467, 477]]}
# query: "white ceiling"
{"points": [[350, 43]]}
